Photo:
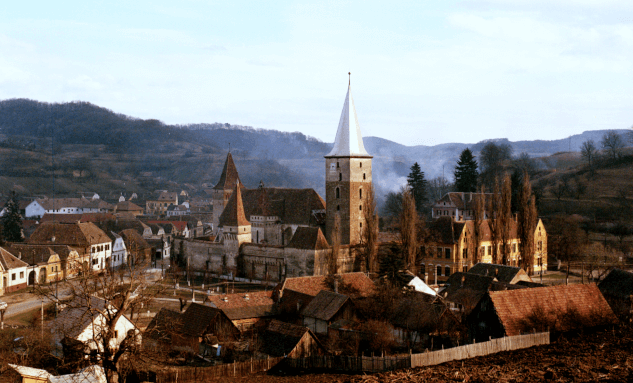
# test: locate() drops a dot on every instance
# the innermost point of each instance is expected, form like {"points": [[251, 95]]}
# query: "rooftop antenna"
{"points": [[350, 78]]}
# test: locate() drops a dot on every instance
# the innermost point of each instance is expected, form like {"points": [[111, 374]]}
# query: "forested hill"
{"points": [[87, 124]]}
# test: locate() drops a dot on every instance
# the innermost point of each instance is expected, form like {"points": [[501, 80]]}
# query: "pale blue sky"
{"points": [[422, 72]]}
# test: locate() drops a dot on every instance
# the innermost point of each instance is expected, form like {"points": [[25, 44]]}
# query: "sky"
{"points": [[423, 72]]}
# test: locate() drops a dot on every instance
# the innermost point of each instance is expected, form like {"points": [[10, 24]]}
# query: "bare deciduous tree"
{"points": [[588, 152], [369, 235], [504, 216], [612, 144], [408, 230], [526, 217], [332, 262], [104, 297]]}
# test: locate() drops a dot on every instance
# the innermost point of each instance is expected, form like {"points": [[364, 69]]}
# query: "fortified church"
{"points": [[272, 233]]}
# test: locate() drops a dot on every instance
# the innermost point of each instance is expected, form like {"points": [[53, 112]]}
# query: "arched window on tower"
{"points": [[338, 193]]}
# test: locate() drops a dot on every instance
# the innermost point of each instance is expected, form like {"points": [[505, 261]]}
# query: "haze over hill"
{"points": [[97, 149]]}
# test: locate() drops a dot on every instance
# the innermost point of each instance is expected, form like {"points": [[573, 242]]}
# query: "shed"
{"points": [[327, 307], [293, 341]]}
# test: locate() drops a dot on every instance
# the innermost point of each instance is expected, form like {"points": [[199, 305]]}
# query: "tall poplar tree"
{"points": [[417, 185], [466, 172]]}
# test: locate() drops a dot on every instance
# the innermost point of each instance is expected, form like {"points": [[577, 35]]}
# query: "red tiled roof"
{"points": [[358, 284], [127, 206], [308, 238], [61, 218], [229, 177], [292, 206], [77, 234], [514, 306], [233, 214], [9, 261]]}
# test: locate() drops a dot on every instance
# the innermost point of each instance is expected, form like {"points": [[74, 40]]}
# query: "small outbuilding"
{"points": [[290, 340]]}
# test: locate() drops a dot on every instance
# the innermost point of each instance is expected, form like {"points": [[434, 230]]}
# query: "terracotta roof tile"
{"points": [[233, 214], [229, 177], [291, 206], [244, 305], [353, 284], [9, 261], [77, 234], [513, 307]]}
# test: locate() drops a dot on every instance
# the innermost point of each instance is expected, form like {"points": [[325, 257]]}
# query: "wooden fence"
{"points": [[349, 363], [479, 349], [203, 374]]}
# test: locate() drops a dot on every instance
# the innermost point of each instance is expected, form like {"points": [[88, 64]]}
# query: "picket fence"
{"points": [[203, 374], [353, 364], [479, 349], [349, 363]]}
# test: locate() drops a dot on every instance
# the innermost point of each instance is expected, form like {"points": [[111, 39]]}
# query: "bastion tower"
{"points": [[347, 179]]}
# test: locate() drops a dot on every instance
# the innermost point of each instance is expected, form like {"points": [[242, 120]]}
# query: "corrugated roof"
{"points": [[513, 307], [308, 238], [325, 305], [229, 177]]}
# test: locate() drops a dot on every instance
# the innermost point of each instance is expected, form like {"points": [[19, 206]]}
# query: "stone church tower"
{"points": [[224, 189], [347, 179]]}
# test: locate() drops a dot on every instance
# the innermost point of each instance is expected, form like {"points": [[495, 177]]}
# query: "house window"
{"points": [[439, 252], [447, 253], [465, 269], [13, 277], [514, 247], [107, 247], [482, 251], [539, 246], [439, 271], [465, 253], [447, 271], [21, 274], [489, 250]]}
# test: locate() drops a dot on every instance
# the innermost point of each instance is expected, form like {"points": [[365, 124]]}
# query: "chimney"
{"points": [[225, 298], [336, 286], [246, 297]]}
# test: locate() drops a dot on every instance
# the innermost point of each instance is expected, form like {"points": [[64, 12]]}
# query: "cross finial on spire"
{"points": [[350, 78]]}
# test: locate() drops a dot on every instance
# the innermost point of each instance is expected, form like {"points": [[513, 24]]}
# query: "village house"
{"points": [[420, 317], [290, 340], [247, 311], [452, 248], [159, 205], [128, 208], [46, 263], [555, 308], [13, 272], [326, 308], [164, 332], [39, 207], [119, 252], [93, 245], [82, 326], [461, 206]]}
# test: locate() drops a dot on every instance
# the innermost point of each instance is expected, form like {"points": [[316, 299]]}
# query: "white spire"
{"points": [[349, 141]]}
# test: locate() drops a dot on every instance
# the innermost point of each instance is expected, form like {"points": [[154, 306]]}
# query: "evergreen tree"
{"points": [[12, 221], [417, 185], [466, 172]]}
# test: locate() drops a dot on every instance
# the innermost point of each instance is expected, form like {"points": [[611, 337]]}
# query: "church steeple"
{"points": [[347, 173], [223, 190], [233, 214], [349, 140]]}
